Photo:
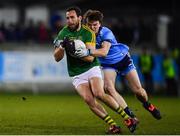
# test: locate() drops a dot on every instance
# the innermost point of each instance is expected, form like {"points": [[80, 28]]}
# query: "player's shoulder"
{"points": [[105, 29], [86, 28]]}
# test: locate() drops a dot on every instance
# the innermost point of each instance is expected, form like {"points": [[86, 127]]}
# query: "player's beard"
{"points": [[74, 28]]}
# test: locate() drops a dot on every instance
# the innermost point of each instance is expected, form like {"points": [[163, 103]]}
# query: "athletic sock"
{"points": [[109, 120], [129, 112], [146, 104], [122, 113]]}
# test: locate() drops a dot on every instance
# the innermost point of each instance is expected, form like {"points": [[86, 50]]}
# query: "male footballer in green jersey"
{"points": [[85, 72]]}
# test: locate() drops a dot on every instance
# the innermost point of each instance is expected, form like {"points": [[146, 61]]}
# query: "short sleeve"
{"points": [[108, 35]]}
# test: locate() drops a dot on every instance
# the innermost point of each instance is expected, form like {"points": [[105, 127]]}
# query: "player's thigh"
{"points": [[109, 78], [133, 80], [97, 86], [84, 91]]}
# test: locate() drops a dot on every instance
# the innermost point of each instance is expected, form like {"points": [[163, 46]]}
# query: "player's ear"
{"points": [[80, 18], [100, 23]]}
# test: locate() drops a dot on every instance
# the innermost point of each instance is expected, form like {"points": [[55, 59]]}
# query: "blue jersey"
{"points": [[117, 50]]}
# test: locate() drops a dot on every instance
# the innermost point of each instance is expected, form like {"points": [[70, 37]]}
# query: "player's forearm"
{"points": [[88, 58], [99, 53]]}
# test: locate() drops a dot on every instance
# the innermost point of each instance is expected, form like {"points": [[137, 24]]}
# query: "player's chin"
{"points": [[72, 27]]}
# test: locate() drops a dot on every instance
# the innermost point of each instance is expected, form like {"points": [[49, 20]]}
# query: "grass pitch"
{"points": [[67, 114]]}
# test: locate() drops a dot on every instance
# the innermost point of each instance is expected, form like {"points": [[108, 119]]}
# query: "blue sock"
{"points": [[129, 112]]}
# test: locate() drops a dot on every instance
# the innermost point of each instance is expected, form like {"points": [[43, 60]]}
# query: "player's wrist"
{"points": [[58, 43], [89, 52], [61, 46]]}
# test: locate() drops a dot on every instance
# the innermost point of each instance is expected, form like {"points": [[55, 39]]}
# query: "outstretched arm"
{"points": [[103, 51]]}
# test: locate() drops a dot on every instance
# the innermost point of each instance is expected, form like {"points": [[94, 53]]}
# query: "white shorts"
{"points": [[84, 77]]}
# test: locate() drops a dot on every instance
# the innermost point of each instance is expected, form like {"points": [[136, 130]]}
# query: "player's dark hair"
{"points": [[93, 15], [76, 9]]}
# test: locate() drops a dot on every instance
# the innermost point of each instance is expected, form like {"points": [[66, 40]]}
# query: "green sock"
{"points": [[122, 113], [109, 120]]}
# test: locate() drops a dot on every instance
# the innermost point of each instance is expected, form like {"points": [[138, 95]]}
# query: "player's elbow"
{"points": [[104, 53], [89, 59], [56, 58]]}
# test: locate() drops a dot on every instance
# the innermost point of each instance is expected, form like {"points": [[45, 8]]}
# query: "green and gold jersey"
{"points": [[77, 66]]}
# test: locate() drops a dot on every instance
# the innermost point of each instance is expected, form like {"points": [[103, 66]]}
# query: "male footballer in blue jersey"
{"points": [[115, 58]]}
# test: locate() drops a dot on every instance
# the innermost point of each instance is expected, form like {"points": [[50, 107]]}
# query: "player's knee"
{"points": [[99, 94], [88, 100], [109, 87], [106, 87], [110, 90]]}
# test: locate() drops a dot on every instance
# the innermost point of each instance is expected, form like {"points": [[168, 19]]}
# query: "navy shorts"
{"points": [[122, 67]]}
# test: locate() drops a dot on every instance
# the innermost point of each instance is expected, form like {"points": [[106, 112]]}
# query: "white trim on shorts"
{"points": [[84, 77]]}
